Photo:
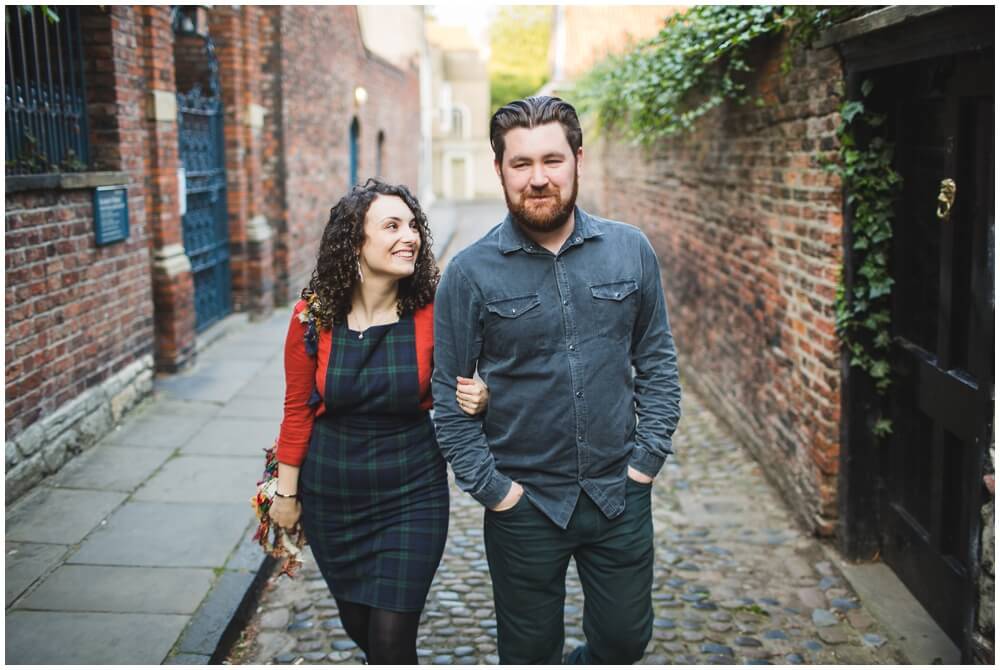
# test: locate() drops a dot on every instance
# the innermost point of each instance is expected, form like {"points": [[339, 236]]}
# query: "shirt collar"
{"points": [[512, 238]]}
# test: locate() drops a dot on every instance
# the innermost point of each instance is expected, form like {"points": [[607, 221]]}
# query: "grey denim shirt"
{"points": [[556, 337]]}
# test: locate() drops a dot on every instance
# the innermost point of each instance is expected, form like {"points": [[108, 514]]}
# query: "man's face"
{"points": [[539, 176]]}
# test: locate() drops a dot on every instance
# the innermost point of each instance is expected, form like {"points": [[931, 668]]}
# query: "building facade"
{"points": [[460, 98], [755, 235], [165, 168]]}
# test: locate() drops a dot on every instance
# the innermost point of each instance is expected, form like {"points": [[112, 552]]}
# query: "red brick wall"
{"points": [[321, 61], [272, 168], [592, 32], [173, 292], [77, 313], [748, 229]]}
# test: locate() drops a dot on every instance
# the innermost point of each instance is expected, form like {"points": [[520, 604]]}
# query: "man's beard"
{"points": [[545, 220]]}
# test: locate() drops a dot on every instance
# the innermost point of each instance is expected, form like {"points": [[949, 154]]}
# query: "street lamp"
{"points": [[360, 95]]}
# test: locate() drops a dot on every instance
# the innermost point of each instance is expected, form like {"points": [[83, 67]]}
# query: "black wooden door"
{"points": [[942, 360]]}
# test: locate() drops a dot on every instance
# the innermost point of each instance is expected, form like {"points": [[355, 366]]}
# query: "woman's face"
{"points": [[392, 239]]}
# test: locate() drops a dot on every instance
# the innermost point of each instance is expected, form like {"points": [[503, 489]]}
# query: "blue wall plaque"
{"points": [[110, 214]]}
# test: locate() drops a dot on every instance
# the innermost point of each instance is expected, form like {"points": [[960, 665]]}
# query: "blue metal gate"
{"points": [[205, 221]]}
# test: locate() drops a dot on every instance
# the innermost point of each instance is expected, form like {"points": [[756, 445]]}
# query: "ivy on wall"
{"points": [[872, 186], [698, 61]]}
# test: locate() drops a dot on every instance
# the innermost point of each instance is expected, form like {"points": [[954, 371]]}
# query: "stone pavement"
{"points": [[735, 581], [139, 550]]}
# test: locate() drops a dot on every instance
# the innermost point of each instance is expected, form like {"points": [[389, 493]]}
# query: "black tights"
{"points": [[385, 636]]}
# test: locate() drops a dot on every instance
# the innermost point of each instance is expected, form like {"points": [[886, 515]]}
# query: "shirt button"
{"points": [[579, 394], [617, 294], [513, 311], [565, 302], [572, 347]]}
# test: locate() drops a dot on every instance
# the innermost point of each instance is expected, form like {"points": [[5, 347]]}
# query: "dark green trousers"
{"points": [[528, 557]]}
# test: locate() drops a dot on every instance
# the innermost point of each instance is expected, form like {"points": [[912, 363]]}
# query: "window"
{"points": [[457, 123], [353, 165], [45, 101], [379, 152]]}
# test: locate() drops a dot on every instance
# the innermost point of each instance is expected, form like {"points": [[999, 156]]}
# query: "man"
{"points": [[556, 307]]}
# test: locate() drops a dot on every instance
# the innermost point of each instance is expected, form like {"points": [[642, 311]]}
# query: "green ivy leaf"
{"points": [[851, 109], [879, 370], [882, 428], [866, 87]]}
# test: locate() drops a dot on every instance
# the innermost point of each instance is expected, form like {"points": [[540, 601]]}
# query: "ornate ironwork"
{"points": [[44, 92], [206, 221]]}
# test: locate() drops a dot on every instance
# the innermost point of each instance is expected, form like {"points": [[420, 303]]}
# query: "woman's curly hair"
{"points": [[332, 285]]}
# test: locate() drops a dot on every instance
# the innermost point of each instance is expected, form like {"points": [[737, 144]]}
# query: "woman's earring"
{"points": [[361, 275]]}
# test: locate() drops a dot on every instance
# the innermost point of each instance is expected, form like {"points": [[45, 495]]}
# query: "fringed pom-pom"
{"points": [[286, 545]]}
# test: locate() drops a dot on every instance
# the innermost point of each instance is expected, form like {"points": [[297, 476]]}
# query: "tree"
{"points": [[519, 52]]}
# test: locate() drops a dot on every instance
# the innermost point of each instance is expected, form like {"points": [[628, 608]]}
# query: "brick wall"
{"points": [[173, 286], [309, 85], [748, 229], [77, 314], [592, 32], [80, 318], [272, 167]]}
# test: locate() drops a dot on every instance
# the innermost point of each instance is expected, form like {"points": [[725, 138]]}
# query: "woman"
{"points": [[357, 453]]}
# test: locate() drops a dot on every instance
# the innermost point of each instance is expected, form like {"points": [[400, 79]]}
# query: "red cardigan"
{"points": [[304, 373]]}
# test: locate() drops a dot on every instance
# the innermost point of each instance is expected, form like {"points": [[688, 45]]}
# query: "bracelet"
{"points": [[282, 495]]}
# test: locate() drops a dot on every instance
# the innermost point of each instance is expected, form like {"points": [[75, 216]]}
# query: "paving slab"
{"points": [[163, 404], [907, 622], [254, 348], [25, 562], [110, 468], [40, 638], [99, 588], [254, 408], [59, 516], [158, 431], [208, 386], [266, 385], [248, 555], [204, 479], [262, 333], [234, 436], [158, 534]]}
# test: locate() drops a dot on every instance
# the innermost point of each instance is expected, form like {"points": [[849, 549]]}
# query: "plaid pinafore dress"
{"points": [[373, 484]]}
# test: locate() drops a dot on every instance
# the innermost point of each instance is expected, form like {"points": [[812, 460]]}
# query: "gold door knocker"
{"points": [[946, 198]]}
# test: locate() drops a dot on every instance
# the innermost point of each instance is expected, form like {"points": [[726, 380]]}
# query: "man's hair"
{"points": [[530, 112]]}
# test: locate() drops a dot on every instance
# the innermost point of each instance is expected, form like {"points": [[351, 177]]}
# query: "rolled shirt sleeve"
{"points": [[458, 340], [657, 382]]}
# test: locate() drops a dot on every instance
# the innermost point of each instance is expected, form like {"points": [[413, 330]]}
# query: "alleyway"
{"points": [[736, 580]]}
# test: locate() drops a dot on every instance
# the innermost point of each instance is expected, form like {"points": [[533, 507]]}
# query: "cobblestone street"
{"points": [[735, 580]]}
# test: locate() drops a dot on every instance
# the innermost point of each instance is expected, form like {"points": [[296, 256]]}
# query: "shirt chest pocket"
{"points": [[614, 306], [513, 325]]}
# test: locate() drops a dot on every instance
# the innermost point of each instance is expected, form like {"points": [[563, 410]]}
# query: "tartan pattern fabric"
{"points": [[374, 484]]}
